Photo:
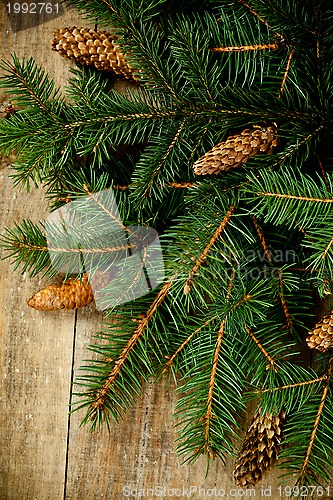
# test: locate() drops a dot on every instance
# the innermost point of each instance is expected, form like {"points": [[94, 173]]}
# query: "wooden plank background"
{"points": [[44, 454]]}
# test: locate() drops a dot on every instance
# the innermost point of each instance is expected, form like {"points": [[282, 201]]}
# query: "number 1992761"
{"points": [[32, 8]]}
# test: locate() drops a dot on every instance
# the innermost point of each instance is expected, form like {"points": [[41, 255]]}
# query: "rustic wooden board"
{"points": [[36, 349], [36, 358], [44, 454], [16, 37], [138, 453]]}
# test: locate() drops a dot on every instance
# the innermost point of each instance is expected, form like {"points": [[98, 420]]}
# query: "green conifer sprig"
{"points": [[243, 251]]}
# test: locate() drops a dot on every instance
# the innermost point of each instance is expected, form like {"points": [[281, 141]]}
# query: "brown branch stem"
{"points": [[184, 344], [317, 422], [271, 362], [285, 76], [209, 411], [258, 16], [269, 258], [203, 256], [123, 356], [290, 386], [246, 48], [294, 197], [168, 152], [323, 173]]}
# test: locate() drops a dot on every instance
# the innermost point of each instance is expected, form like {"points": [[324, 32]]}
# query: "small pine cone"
{"points": [[260, 448], [72, 294], [92, 48], [7, 111], [237, 149], [321, 336]]}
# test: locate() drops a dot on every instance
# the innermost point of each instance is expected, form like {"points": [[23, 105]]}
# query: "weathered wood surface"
{"points": [[44, 454]]}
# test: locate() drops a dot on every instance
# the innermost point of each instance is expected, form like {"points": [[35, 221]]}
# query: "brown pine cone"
{"points": [[237, 149], [72, 294], [92, 48], [321, 336], [260, 448]]}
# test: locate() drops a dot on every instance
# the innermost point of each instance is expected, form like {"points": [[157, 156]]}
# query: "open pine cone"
{"points": [[321, 336], [237, 149], [260, 448], [92, 48]]}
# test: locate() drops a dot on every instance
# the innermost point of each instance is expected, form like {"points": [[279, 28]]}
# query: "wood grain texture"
{"points": [[36, 359], [35, 41], [44, 453], [139, 452], [36, 350]]}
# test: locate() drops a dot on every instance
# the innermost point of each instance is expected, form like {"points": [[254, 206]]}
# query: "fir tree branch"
{"points": [[183, 345], [301, 229], [122, 117], [281, 285], [327, 249], [149, 57], [241, 301], [295, 197], [86, 251], [199, 114], [199, 141], [97, 200], [262, 239], [164, 158], [304, 471], [289, 321], [125, 293], [209, 413], [171, 185], [108, 4], [30, 84], [285, 75], [243, 2], [26, 244], [294, 148], [271, 363], [246, 48], [190, 48], [318, 35], [102, 393], [202, 79], [291, 386], [30, 172], [203, 256]]}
